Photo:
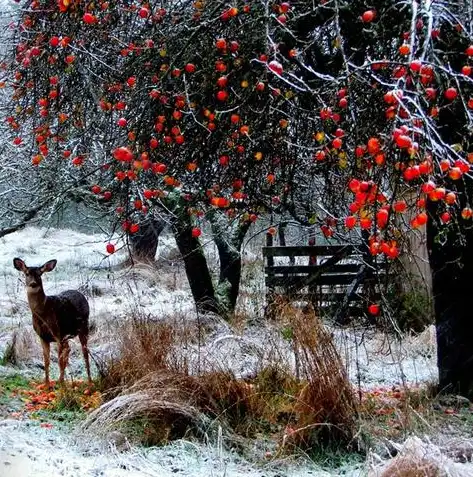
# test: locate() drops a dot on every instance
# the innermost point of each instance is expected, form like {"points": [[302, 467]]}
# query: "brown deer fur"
{"points": [[56, 318]]}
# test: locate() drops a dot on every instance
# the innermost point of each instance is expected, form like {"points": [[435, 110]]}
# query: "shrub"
{"points": [[154, 394], [411, 306]]}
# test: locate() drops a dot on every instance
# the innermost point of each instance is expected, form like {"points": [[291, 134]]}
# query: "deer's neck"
{"points": [[36, 299]]}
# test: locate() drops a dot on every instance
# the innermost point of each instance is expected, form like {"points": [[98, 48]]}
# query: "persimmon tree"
{"points": [[348, 116], [401, 83], [187, 129]]}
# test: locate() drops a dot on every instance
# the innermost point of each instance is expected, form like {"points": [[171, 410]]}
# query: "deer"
{"points": [[56, 318]]}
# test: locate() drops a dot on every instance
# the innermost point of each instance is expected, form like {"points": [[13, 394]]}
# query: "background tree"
{"points": [[184, 143]]}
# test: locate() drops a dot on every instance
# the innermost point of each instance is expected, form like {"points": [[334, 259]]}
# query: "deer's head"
{"points": [[33, 280]]}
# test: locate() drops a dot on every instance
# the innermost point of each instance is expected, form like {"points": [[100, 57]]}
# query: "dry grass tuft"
{"points": [[155, 392], [10, 355], [325, 407], [23, 347], [413, 466], [162, 406], [419, 459], [144, 346]]}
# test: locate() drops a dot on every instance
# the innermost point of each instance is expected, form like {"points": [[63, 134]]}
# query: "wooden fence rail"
{"points": [[339, 280]]}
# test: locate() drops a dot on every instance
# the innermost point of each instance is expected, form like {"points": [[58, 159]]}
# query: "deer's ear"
{"points": [[19, 264], [48, 266]]}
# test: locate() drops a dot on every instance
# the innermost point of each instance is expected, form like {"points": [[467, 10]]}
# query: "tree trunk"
{"points": [[196, 267], [451, 261], [229, 244], [269, 311], [452, 271], [230, 273], [145, 243], [282, 241]]}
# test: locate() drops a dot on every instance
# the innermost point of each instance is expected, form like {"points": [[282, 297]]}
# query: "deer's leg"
{"points": [[85, 351], [63, 358], [46, 358]]}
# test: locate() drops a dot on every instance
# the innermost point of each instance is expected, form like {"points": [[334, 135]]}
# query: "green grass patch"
{"points": [[11, 383], [21, 397]]}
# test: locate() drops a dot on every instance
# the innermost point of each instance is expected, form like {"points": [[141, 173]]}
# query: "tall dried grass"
{"points": [[325, 407], [150, 381], [143, 345]]}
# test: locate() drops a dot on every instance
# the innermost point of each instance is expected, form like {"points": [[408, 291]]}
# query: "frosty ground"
{"points": [[114, 292]]}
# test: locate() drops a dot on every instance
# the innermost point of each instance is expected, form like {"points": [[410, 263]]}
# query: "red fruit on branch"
{"points": [[415, 65], [148, 194], [467, 213], [222, 82], [89, 18], [221, 44], [403, 141], [159, 168], [337, 143], [422, 218], [374, 309], [123, 154], [284, 7], [445, 217], [374, 145], [143, 12], [368, 16], [134, 228], [400, 206], [222, 95], [260, 86], [451, 93], [350, 222], [275, 67]]}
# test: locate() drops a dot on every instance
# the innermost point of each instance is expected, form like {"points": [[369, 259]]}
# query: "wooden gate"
{"points": [[339, 280]]}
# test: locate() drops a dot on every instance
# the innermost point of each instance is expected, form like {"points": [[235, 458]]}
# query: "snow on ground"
{"points": [[117, 292], [113, 292], [26, 450], [376, 360], [82, 262]]}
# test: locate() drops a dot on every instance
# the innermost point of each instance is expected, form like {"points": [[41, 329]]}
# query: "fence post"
{"points": [[270, 293], [313, 295]]}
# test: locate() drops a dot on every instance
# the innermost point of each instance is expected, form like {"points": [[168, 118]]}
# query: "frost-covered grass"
{"points": [[115, 293], [27, 450]]}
